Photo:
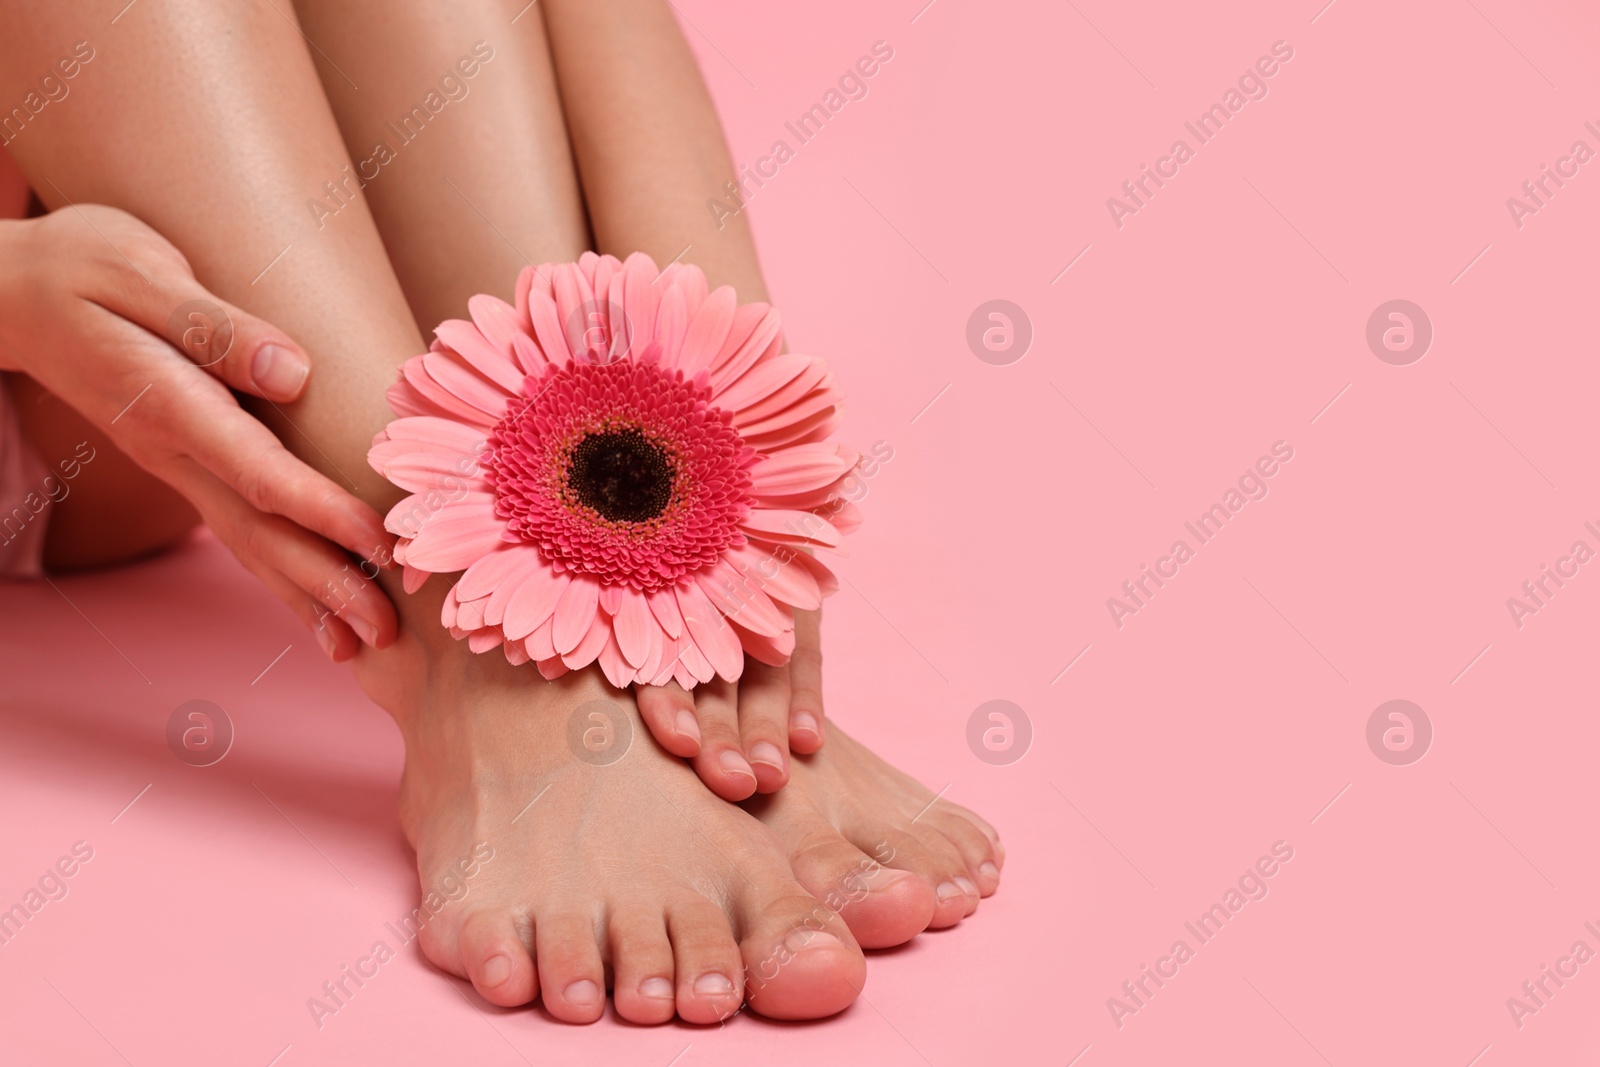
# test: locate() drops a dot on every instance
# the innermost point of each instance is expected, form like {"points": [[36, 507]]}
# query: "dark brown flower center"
{"points": [[622, 475]]}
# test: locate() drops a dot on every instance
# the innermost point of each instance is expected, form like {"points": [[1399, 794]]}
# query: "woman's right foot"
{"points": [[606, 869]]}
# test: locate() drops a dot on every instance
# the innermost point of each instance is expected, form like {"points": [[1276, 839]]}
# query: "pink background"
{"points": [[1224, 717]]}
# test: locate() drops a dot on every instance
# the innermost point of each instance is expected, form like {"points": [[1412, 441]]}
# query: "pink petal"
{"points": [[846, 517], [548, 330], [466, 384], [495, 569], [711, 634], [799, 388], [434, 432], [791, 527], [789, 581], [797, 470], [454, 540], [588, 649], [814, 402], [664, 606], [634, 623], [762, 381], [764, 340], [412, 578], [616, 669], [641, 297], [692, 666], [516, 654], [534, 601], [741, 599], [611, 598], [469, 342], [575, 613], [484, 640], [773, 651], [496, 319], [440, 399], [672, 323], [540, 646], [551, 669], [707, 332]]}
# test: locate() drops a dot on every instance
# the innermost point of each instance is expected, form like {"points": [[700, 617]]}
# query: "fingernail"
{"points": [[688, 726], [988, 870], [325, 639], [966, 885], [713, 984], [947, 890], [496, 969], [279, 371], [364, 629], [656, 988], [805, 722], [802, 939], [582, 991], [734, 763], [766, 752]]}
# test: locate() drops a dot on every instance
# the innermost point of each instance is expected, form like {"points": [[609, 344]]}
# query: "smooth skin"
{"points": [[632, 869]]}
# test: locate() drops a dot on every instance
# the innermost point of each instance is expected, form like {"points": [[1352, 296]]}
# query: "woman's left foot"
{"points": [[878, 846]]}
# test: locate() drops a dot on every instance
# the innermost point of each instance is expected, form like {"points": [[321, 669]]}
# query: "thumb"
{"points": [[238, 348]]}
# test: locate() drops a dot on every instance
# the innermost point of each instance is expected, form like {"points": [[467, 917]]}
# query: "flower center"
{"points": [[622, 475]]}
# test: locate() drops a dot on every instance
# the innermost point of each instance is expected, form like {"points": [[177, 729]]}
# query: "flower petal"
{"points": [[534, 602], [453, 543], [761, 381], [495, 569], [633, 624], [779, 574], [496, 319], [742, 600], [664, 606], [806, 467], [484, 355], [575, 613], [711, 634], [589, 648], [791, 527], [707, 332]]}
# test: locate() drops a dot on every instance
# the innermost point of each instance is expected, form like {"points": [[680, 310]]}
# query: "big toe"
{"points": [[801, 961], [883, 906], [496, 959]]}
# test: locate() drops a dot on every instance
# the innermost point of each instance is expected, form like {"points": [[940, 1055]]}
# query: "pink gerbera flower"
{"points": [[627, 470]]}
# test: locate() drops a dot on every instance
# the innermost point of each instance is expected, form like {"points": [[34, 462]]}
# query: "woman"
{"points": [[345, 173]]}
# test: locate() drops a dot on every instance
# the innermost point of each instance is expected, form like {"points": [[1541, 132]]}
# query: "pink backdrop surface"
{"points": [[1171, 747]]}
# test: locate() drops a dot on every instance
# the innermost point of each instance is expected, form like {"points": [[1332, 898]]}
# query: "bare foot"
{"points": [[849, 819], [605, 870]]}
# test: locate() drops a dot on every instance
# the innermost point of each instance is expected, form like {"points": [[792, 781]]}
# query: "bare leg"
{"points": [[651, 153], [634, 863]]}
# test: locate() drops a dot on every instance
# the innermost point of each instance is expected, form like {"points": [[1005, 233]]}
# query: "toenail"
{"points": [[876, 879], [713, 984], [734, 763], [966, 885], [582, 991], [947, 890], [805, 722], [988, 870], [766, 752], [803, 938], [656, 988], [688, 726], [496, 969]]}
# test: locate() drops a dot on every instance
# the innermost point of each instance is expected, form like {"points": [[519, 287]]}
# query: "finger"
{"points": [[806, 730], [189, 414], [234, 346], [721, 764], [316, 571], [204, 421], [764, 723]]}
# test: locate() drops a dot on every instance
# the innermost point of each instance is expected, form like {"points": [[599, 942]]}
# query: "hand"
{"points": [[106, 314], [740, 734]]}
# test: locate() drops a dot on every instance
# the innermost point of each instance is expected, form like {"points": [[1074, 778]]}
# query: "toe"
{"points": [[496, 959], [764, 723], [931, 855], [668, 710], [721, 763], [883, 906], [801, 960], [805, 685], [571, 975], [709, 969], [641, 960], [975, 847]]}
